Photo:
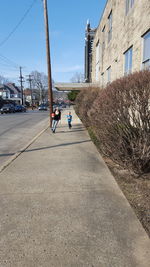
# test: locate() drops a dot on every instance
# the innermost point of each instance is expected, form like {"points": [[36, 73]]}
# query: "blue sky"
{"points": [[26, 47]]}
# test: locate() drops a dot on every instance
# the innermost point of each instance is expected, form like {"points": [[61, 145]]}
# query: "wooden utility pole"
{"points": [[21, 84], [30, 83], [50, 93]]}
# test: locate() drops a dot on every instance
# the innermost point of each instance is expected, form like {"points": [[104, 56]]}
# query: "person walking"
{"points": [[69, 118], [56, 117]]}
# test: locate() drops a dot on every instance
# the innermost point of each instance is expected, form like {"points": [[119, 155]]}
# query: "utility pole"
{"points": [[30, 83], [50, 93], [21, 83]]}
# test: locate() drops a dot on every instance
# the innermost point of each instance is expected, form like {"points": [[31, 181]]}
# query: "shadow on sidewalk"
{"points": [[48, 147], [76, 128], [60, 145], [7, 154], [70, 131]]}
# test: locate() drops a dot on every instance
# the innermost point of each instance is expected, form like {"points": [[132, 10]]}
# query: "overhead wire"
{"points": [[4, 61], [8, 62], [18, 24]]}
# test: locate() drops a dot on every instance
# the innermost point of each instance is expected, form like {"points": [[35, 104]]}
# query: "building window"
{"points": [[103, 42], [102, 76], [146, 50], [128, 61], [129, 5], [109, 74], [109, 26], [97, 52], [97, 60]]}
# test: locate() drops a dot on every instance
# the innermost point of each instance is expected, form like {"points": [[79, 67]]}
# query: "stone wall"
{"points": [[127, 31]]}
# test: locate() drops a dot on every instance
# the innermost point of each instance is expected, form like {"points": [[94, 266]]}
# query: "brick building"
{"points": [[122, 40]]}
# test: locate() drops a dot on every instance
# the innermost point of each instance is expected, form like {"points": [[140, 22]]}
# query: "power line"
{"points": [[9, 61], [5, 65], [18, 24], [7, 70]]}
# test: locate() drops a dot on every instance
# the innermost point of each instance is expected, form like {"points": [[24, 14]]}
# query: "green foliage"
{"points": [[72, 95]]}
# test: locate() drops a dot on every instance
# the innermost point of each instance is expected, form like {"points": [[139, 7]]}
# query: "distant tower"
{"points": [[89, 37]]}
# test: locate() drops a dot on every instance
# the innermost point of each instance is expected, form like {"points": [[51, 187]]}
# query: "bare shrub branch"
{"points": [[120, 116]]}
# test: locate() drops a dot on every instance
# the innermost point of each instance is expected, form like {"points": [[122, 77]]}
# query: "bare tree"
{"points": [[40, 84], [78, 77]]}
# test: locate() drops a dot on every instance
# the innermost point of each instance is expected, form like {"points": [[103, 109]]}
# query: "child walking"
{"points": [[69, 118]]}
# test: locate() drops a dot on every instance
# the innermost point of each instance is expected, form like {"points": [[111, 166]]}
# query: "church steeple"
{"points": [[88, 25]]}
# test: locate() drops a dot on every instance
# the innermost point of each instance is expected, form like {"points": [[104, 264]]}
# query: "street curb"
{"points": [[12, 158]]}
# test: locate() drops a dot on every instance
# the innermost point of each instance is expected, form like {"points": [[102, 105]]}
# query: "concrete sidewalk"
{"points": [[61, 207]]}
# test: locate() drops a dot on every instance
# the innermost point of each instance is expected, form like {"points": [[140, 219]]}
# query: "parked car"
{"points": [[8, 108], [60, 107], [23, 108], [20, 108], [54, 106], [64, 106], [42, 107]]}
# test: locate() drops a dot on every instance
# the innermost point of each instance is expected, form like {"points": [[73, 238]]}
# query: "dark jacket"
{"points": [[57, 117]]}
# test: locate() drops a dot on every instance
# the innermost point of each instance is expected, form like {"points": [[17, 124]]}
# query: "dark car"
{"points": [[42, 107], [8, 108], [23, 108], [20, 108], [57, 106], [54, 106], [64, 106]]}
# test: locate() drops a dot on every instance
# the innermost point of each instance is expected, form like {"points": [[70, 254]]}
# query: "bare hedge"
{"points": [[84, 103], [120, 117]]}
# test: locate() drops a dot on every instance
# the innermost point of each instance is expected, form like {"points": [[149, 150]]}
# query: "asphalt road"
{"points": [[17, 129]]}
